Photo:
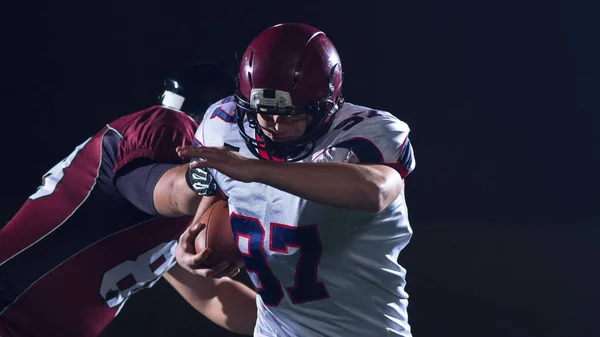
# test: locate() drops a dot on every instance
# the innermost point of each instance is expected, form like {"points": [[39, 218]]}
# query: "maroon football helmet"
{"points": [[289, 69]]}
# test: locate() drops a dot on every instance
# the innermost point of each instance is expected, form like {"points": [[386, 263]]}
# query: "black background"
{"points": [[502, 99]]}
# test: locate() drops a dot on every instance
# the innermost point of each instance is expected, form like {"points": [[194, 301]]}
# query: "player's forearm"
{"points": [[234, 307], [172, 195], [369, 188], [226, 302], [184, 199]]}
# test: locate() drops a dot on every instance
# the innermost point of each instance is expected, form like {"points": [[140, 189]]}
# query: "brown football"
{"points": [[218, 236]]}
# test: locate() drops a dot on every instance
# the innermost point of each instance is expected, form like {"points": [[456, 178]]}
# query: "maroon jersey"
{"points": [[77, 249]]}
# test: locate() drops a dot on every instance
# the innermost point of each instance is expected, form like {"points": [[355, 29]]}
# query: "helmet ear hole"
{"points": [[330, 83]]}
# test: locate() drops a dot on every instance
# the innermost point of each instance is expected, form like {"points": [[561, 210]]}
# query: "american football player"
{"points": [[105, 222], [316, 191]]}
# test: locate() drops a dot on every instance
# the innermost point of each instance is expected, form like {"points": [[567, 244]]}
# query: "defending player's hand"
{"points": [[224, 160], [186, 256]]}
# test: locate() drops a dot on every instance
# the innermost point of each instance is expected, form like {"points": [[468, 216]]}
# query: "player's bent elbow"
{"points": [[369, 199], [383, 191], [372, 198]]}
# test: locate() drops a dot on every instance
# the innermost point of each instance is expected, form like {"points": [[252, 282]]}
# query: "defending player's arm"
{"points": [[167, 190], [224, 301], [163, 190], [150, 174], [179, 191], [159, 189]]}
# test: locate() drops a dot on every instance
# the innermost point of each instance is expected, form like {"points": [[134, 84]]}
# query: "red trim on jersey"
{"points": [[262, 152], [403, 172], [247, 251], [364, 149], [224, 115]]}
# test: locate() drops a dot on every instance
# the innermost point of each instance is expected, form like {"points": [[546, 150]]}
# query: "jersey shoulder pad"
{"points": [[220, 121], [365, 135]]}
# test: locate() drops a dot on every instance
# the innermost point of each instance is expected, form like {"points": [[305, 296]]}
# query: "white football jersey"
{"points": [[320, 270]]}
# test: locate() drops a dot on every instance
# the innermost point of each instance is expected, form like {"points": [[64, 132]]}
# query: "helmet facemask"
{"points": [[275, 102]]}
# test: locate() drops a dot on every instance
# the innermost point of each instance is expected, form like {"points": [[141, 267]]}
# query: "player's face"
{"points": [[282, 128]]}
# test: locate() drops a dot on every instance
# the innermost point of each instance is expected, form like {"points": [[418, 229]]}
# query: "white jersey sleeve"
{"points": [[372, 137], [219, 128], [223, 110]]}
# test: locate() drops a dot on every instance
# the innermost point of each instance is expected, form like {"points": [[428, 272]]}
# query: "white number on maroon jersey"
{"points": [[129, 277], [55, 174]]}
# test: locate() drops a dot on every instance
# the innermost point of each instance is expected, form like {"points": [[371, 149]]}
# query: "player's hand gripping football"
{"points": [[224, 160], [186, 256]]}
